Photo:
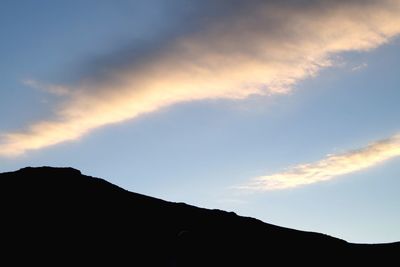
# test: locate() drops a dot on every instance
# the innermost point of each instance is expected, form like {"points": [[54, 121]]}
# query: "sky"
{"points": [[286, 111]]}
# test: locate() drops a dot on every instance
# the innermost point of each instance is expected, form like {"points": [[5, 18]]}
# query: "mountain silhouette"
{"points": [[59, 216]]}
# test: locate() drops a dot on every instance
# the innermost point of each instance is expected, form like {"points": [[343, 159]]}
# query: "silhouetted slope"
{"points": [[58, 215]]}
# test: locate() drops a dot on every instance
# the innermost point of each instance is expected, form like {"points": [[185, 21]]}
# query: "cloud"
{"points": [[256, 47], [51, 89], [359, 67], [330, 167]]}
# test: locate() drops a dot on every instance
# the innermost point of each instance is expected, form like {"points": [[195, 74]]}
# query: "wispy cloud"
{"points": [[259, 48], [359, 67], [330, 167], [48, 88]]}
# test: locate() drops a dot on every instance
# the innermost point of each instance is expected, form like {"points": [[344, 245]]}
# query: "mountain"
{"points": [[59, 216]]}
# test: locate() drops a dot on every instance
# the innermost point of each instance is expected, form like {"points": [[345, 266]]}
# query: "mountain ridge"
{"points": [[106, 223]]}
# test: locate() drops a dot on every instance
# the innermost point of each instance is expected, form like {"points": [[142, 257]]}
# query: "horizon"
{"points": [[285, 111]]}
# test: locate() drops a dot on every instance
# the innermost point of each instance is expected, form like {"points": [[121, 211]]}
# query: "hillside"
{"points": [[58, 215]]}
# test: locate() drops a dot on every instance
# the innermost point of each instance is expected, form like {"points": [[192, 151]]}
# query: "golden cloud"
{"points": [[265, 49], [330, 167]]}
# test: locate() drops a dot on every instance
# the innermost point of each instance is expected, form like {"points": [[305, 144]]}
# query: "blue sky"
{"points": [[209, 104]]}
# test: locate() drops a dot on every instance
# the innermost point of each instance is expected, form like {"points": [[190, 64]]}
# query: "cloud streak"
{"points": [[51, 89], [330, 167], [259, 48]]}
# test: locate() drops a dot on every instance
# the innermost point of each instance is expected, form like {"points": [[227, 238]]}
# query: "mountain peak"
{"points": [[60, 212], [48, 169]]}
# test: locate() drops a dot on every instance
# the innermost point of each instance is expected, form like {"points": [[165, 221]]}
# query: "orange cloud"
{"points": [[330, 167], [265, 49]]}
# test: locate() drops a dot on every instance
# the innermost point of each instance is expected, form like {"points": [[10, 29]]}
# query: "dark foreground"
{"points": [[59, 216]]}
